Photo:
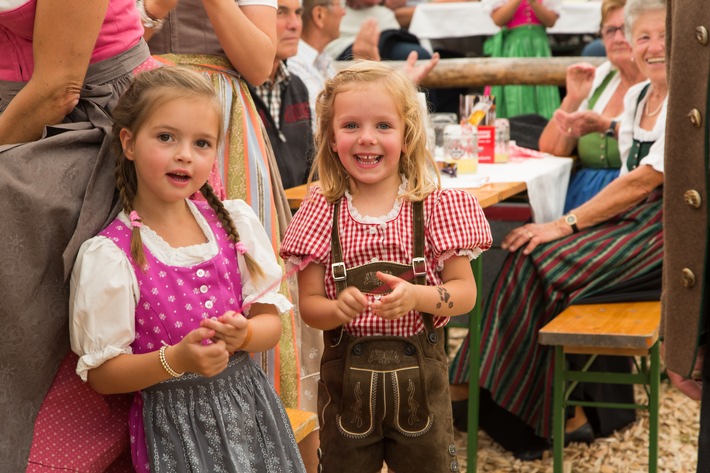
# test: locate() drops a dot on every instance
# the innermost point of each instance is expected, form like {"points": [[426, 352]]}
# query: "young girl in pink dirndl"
{"points": [[170, 299]]}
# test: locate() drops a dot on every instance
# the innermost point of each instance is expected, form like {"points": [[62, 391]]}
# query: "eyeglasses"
{"points": [[610, 31]]}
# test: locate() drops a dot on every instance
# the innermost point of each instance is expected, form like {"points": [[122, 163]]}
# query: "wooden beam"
{"points": [[479, 72]]}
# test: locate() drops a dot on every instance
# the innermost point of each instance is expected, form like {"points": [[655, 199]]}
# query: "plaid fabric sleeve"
{"points": [[456, 223], [308, 233]]}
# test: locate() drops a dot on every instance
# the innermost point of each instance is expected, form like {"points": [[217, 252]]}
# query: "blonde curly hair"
{"points": [[416, 162]]}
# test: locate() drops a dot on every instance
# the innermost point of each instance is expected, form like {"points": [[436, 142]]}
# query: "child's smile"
{"points": [[368, 135], [368, 160]]}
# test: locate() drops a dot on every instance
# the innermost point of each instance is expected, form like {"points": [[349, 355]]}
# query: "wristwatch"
{"points": [[148, 20], [571, 220], [611, 131]]}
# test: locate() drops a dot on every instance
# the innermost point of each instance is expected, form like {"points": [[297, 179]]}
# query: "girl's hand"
{"points": [[533, 234], [191, 355], [230, 327], [397, 303], [351, 302]]}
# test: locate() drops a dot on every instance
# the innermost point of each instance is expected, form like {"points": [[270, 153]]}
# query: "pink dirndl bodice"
{"points": [[173, 301], [524, 15]]}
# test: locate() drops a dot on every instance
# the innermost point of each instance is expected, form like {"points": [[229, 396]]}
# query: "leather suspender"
{"points": [[418, 265]]}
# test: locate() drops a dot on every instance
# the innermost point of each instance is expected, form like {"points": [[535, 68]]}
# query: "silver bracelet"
{"points": [[147, 20]]}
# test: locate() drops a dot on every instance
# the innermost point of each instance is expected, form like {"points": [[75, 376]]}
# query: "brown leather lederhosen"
{"points": [[385, 397]]}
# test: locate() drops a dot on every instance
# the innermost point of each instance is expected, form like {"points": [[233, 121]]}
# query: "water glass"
{"points": [[438, 122], [502, 143]]}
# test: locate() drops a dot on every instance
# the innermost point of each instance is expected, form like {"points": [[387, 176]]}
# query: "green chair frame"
{"points": [[648, 376], [474, 368]]}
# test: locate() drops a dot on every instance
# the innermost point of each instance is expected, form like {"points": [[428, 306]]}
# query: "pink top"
{"points": [[524, 15], [120, 31], [454, 225]]}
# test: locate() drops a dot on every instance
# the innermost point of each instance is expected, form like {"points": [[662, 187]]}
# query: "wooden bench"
{"points": [[622, 329], [302, 422]]}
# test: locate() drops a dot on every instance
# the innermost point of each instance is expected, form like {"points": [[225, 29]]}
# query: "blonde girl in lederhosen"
{"points": [[385, 261]]}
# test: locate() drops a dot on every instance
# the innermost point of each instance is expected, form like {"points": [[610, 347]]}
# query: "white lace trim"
{"points": [[293, 262], [164, 252], [470, 254], [383, 218], [95, 359]]}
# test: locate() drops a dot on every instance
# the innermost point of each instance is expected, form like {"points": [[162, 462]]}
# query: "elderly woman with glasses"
{"points": [[609, 248], [587, 117]]}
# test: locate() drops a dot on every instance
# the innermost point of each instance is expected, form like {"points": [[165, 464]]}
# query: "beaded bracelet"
{"points": [[164, 362]]}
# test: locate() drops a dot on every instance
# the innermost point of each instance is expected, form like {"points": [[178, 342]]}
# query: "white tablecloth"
{"points": [[462, 19], [546, 179]]}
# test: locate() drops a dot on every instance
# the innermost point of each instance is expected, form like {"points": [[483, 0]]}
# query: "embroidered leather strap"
{"points": [[418, 265]]}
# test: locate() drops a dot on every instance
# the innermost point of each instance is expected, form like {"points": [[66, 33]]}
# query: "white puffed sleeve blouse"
{"points": [[104, 289], [629, 128]]}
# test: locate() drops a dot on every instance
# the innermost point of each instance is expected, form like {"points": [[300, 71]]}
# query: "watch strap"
{"points": [[571, 220]]}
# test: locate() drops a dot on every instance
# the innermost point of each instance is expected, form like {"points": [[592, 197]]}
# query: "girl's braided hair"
{"points": [[148, 91]]}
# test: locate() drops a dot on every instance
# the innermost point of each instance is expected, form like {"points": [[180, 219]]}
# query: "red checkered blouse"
{"points": [[454, 225]]}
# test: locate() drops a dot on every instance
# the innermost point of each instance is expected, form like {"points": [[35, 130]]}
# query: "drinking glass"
{"points": [[438, 122], [461, 147]]}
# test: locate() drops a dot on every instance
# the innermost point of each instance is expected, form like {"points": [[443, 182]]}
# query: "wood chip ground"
{"points": [[624, 452]]}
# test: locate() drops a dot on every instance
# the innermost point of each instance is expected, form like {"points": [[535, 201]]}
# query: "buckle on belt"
{"points": [[419, 266], [338, 271]]}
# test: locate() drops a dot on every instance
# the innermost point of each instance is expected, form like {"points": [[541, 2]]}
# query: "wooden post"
{"points": [[479, 72]]}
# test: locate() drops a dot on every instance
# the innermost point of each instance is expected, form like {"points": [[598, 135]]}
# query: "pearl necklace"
{"points": [[648, 104]]}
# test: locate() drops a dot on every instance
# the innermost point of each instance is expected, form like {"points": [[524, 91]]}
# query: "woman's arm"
{"points": [[247, 35], [456, 296], [554, 138], [320, 312], [159, 10], [63, 40], [620, 195], [130, 372]]}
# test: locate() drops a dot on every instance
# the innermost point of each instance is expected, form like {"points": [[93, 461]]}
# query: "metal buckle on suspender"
{"points": [[419, 266], [338, 271]]}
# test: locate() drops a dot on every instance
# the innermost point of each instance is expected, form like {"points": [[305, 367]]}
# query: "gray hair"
{"points": [[635, 8]]}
